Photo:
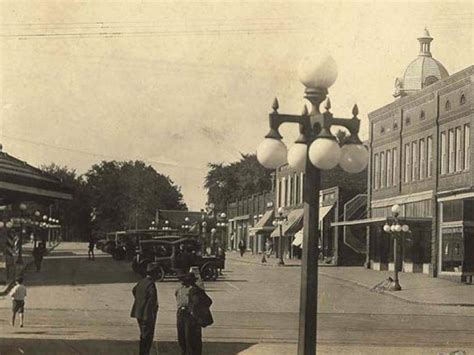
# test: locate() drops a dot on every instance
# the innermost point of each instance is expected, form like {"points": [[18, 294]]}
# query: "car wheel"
{"points": [[159, 274], [209, 272]]}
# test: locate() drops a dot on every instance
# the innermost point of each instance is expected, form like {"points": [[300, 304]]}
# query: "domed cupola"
{"points": [[422, 72]]}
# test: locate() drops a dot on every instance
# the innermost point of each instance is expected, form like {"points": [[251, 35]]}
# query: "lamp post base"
{"points": [[281, 262], [395, 286]]}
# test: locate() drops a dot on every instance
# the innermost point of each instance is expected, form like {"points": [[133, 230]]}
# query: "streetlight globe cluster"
{"points": [[324, 152]]}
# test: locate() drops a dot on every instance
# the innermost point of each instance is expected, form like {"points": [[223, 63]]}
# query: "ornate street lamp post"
{"points": [[316, 148], [279, 220], [22, 231], [396, 230]]}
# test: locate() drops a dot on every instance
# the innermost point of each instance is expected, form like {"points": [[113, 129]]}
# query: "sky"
{"points": [[182, 84]]}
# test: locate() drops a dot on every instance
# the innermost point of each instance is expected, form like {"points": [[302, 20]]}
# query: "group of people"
{"points": [[193, 312]]}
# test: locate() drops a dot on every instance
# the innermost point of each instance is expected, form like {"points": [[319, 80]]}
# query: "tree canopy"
{"points": [[228, 182], [124, 194]]}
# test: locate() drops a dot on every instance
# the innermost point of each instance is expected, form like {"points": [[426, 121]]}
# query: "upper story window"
{"points": [[407, 120], [447, 105], [395, 125], [429, 156], [467, 147], [407, 163], [462, 100], [389, 168], [383, 175], [451, 151], [443, 151], [422, 115], [422, 159], [414, 161], [459, 150], [395, 166], [382, 129], [376, 172]]}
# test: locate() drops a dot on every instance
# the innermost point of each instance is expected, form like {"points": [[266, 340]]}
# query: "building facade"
{"points": [[420, 159], [338, 188], [250, 219]]}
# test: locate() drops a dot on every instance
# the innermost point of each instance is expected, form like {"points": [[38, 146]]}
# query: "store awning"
{"points": [[264, 224], [298, 241], [292, 225]]}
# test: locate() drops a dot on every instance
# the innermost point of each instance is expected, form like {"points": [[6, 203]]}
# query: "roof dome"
{"points": [[421, 72]]}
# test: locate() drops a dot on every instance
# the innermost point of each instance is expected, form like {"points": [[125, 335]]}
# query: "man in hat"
{"points": [[189, 331], [145, 308]]}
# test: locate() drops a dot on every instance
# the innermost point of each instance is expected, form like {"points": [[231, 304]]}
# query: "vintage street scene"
{"points": [[233, 177]]}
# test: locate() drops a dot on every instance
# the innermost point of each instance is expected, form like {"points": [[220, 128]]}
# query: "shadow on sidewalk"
{"points": [[106, 347]]}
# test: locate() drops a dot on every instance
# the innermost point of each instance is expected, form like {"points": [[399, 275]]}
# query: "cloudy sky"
{"points": [[181, 84]]}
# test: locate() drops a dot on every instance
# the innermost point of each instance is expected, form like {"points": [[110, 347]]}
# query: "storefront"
{"points": [[261, 231], [456, 238]]}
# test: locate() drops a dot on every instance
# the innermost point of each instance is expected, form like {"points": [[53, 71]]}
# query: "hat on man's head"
{"points": [[187, 278], [151, 267]]}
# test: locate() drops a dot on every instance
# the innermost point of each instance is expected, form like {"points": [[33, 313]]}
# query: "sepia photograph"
{"points": [[236, 177]]}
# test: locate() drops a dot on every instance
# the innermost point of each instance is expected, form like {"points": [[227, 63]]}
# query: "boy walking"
{"points": [[18, 295]]}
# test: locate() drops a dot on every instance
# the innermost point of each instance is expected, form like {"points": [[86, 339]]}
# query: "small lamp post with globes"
{"points": [[316, 148], [396, 229], [279, 220]]}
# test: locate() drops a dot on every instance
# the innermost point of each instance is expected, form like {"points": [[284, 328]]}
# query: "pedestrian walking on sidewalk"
{"points": [[38, 253], [242, 247], [18, 295], [193, 313], [90, 253], [145, 309]]}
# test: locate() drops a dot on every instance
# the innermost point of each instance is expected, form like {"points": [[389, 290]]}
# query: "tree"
{"points": [[226, 183], [126, 195], [73, 214]]}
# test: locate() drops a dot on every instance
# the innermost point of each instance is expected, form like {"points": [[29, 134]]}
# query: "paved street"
{"points": [[79, 306]]}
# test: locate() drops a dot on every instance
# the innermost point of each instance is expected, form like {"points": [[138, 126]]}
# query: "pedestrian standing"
{"points": [[38, 253], [193, 314], [242, 247], [90, 253], [145, 309], [18, 295]]}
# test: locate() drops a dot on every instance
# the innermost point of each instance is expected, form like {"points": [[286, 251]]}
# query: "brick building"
{"points": [[421, 159]]}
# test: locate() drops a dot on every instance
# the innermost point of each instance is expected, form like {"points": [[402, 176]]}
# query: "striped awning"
{"points": [[264, 224], [292, 225]]}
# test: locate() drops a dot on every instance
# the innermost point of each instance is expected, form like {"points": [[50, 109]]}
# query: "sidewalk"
{"points": [[27, 261], [416, 288]]}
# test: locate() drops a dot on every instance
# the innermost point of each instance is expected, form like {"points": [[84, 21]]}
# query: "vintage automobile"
{"points": [[126, 242], [107, 244], [174, 255]]}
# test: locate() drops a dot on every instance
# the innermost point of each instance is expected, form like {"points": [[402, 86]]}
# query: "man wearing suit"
{"points": [[145, 309]]}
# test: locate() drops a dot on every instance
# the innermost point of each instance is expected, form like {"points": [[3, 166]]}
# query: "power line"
{"points": [[176, 166]]}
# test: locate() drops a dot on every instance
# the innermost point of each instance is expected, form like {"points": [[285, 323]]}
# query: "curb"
{"points": [[388, 293], [272, 264], [9, 285]]}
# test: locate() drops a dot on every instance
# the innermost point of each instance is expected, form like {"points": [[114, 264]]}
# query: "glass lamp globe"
{"points": [[272, 153], [386, 228], [398, 228], [275, 223], [392, 228], [405, 228], [324, 153], [2, 224], [297, 156], [9, 224], [280, 210], [318, 73], [223, 215], [354, 158], [396, 209]]}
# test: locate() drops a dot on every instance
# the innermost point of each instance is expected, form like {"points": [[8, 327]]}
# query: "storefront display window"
{"points": [[452, 251]]}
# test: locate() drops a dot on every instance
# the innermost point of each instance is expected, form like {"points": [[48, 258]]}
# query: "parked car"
{"points": [[173, 255]]}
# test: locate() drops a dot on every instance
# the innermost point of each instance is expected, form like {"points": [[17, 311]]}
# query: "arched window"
{"points": [[382, 129], [395, 125], [422, 115], [447, 106], [462, 100], [407, 120]]}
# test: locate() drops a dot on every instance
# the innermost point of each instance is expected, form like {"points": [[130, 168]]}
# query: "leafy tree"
{"points": [[73, 214], [226, 183], [126, 195]]}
